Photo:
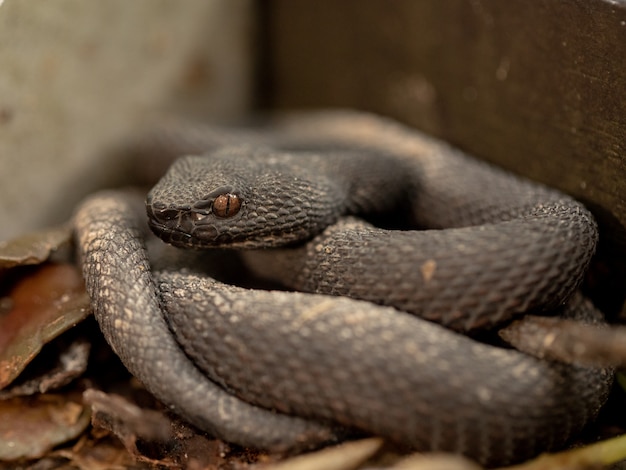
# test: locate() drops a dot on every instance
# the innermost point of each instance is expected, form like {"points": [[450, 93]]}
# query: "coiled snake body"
{"points": [[497, 246]]}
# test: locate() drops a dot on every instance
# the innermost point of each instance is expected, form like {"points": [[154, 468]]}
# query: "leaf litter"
{"points": [[67, 402]]}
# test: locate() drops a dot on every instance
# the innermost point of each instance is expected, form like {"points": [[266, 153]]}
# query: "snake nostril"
{"points": [[167, 214], [198, 216]]}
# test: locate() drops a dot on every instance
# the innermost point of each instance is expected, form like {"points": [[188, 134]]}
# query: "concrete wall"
{"points": [[76, 76]]}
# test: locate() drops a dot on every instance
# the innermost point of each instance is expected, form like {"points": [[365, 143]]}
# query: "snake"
{"points": [[392, 251]]}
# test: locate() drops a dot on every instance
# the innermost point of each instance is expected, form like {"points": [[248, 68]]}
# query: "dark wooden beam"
{"points": [[537, 87]]}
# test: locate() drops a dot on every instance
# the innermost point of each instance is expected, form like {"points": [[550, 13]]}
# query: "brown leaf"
{"points": [[33, 248], [42, 305], [568, 341], [31, 426], [150, 436], [126, 420], [347, 456], [61, 365]]}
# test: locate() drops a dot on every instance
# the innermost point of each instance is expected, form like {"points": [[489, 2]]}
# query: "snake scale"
{"points": [[285, 370]]}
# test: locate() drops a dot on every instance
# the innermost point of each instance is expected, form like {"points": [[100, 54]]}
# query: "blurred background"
{"points": [[537, 88]]}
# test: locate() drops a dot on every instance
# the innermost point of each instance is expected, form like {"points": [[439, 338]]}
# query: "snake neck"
{"points": [[248, 197], [383, 192]]}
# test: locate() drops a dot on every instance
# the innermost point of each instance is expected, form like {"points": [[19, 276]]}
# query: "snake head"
{"points": [[241, 197]]}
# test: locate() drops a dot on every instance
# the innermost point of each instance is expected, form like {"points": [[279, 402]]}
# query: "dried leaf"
{"points": [[65, 364], [435, 461], [152, 437], [342, 457], [33, 248], [589, 457], [126, 420], [568, 341], [31, 426], [42, 305]]}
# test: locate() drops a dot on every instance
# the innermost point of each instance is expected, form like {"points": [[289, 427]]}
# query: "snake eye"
{"points": [[226, 205]]}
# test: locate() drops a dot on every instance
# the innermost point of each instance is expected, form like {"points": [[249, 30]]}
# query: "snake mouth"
{"points": [[171, 236], [181, 227], [198, 237]]}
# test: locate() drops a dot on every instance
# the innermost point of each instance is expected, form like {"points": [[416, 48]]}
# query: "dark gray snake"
{"points": [[281, 370]]}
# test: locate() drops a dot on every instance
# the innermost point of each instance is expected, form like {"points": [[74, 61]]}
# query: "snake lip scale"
{"points": [[273, 369]]}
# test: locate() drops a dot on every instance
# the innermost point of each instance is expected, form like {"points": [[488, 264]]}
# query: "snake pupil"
{"points": [[226, 205]]}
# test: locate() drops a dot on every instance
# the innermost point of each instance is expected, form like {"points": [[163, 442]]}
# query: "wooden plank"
{"points": [[537, 87]]}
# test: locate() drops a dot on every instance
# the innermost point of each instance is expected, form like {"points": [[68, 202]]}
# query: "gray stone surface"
{"points": [[78, 76]]}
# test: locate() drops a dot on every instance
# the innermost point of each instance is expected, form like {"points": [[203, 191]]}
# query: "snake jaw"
{"points": [[182, 227], [199, 227]]}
